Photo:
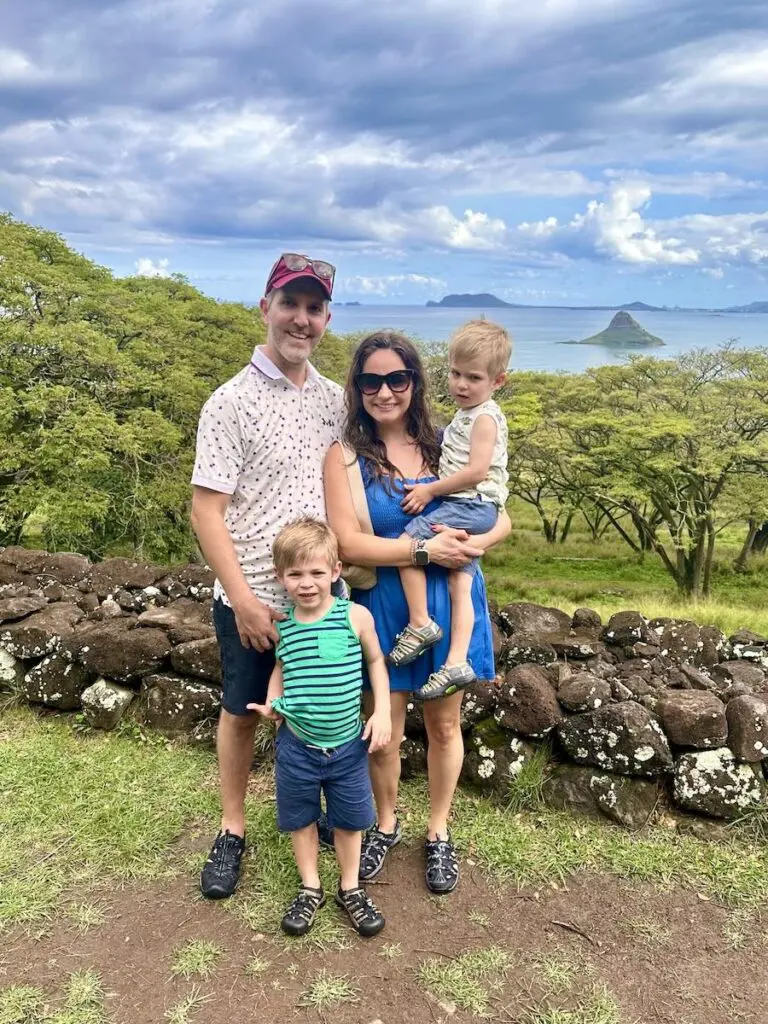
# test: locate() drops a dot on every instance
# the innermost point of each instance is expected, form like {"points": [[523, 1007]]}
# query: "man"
{"points": [[261, 443]]}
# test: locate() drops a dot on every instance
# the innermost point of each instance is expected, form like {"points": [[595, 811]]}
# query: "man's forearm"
{"points": [[216, 544]]}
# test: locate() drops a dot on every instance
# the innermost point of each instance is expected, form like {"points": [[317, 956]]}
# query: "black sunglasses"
{"points": [[397, 381]]}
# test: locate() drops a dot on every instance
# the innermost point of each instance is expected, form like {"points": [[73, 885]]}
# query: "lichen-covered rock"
{"points": [[175, 616], [493, 757], [623, 738], [714, 646], [414, 718], [533, 619], [480, 700], [14, 608], [584, 692], [105, 703], [743, 672], [63, 566], [174, 705], [115, 574], [198, 658], [11, 670], [745, 645], [114, 650], [526, 649], [413, 757], [194, 575], [713, 782], [586, 620], [626, 628], [527, 702], [42, 632], [693, 718], [681, 643], [627, 801], [128, 601], [698, 679], [191, 631], [748, 728], [56, 682], [576, 646], [497, 638]]}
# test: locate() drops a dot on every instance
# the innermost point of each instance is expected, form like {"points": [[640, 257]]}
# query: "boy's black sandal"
{"points": [[221, 871], [300, 916], [442, 868], [365, 918], [376, 846]]}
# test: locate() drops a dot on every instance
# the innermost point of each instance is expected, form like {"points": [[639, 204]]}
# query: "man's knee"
{"points": [[443, 732], [237, 728]]}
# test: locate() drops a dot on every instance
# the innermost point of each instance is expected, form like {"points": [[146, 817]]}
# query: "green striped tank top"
{"points": [[322, 677]]}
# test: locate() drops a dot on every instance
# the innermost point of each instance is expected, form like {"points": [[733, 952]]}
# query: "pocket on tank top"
{"points": [[333, 645]]}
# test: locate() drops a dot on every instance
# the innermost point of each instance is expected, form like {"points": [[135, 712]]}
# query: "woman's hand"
{"points": [[417, 497], [451, 548]]}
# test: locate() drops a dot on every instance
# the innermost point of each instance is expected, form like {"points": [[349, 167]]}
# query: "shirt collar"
{"points": [[260, 361]]}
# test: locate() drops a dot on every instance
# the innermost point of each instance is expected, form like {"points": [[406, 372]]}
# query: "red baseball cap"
{"points": [[293, 266]]}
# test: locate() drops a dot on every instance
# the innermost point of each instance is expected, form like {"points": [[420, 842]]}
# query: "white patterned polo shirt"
{"points": [[263, 440]]}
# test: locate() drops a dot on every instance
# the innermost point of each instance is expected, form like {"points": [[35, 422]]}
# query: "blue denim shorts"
{"points": [[303, 772], [245, 671], [475, 515]]}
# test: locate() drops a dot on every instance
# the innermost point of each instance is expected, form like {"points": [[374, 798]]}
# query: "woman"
{"points": [[389, 426]]}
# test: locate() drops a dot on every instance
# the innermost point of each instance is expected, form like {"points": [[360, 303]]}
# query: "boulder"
{"points": [[105, 703], [533, 619], [623, 738], [748, 728], [194, 575], [56, 682], [625, 800], [114, 650], [713, 782], [175, 616], [585, 620], [576, 646], [526, 649], [191, 631], [682, 643], [413, 757], [115, 574], [480, 700], [527, 702], [714, 646], [63, 566], [11, 670], [698, 679], [584, 692], [173, 704], [692, 718], [493, 758], [626, 628], [14, 608], [199, 658], [42, 632], [742, 672]]}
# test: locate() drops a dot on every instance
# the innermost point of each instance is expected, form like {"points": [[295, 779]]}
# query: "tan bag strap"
{"points": [[356, 488]]}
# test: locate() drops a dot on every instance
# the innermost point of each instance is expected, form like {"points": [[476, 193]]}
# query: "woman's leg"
{"points": [[384, 764], [445, 756]]}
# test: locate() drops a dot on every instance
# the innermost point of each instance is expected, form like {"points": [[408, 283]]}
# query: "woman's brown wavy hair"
{"points": [[360, 428]]}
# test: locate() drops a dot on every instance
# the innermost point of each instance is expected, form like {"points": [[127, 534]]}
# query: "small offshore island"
{"points": [[622, 332]]}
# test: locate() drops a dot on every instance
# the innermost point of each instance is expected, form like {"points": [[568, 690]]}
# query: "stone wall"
{"points": [[637, 714]]}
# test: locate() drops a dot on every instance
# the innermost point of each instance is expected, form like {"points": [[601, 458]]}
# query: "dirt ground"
{"points": [[667, 958]]}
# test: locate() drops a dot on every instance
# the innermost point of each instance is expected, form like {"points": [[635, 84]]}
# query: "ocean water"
{"points": [[536, 332]]}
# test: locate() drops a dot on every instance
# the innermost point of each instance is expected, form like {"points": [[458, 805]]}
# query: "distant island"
{"points": [[352, 303], [484, 300], [622, 332]]}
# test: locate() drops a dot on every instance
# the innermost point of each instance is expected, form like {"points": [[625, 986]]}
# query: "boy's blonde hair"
{"points": [[301, 541], [482, 339]]}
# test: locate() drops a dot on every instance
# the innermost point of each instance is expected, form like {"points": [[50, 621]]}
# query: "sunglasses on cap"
{"points": [[397, 381], [295, 261]]}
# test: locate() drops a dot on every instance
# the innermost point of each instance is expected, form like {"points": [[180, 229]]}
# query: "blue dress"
{"points": [[386, 601]]}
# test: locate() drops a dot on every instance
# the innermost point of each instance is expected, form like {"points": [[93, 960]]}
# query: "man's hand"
{"points": [[254, 623], [451, 548], [265, 710], [378, 729], [417, 497]]}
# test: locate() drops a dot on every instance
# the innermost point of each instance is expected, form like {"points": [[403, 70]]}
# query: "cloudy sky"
{"points": [[557, 151]]}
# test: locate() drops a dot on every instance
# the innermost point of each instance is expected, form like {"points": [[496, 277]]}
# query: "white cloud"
{"points": [[145, 267], [391, 285]]}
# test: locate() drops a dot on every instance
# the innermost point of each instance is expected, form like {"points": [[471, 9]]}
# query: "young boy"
{"points": [[473, 483], [315, 692]]}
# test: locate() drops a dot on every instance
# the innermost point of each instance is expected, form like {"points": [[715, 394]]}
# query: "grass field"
{"points": [[608, 576]]}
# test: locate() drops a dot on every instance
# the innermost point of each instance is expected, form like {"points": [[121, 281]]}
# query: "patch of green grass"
{"points": [[391, 950], [752, 824], [183, 1011], [328, 990], [78, 807], [648, 930], [84, 1002], [88, 915], [599, 1007], [257, 965], [526, 789], [557, 972], [468, 980], [476, 917], [20, 1004], [197, 957], [739, 928]]}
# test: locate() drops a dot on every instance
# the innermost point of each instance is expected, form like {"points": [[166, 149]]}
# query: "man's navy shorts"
{"points": [[302, 772], [245, 671]]}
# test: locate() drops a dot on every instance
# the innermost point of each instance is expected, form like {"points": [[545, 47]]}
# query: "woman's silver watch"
{"points": [[419, 552]]}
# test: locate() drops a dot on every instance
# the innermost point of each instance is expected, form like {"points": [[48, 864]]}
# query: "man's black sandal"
{"points": [[376, 846], [221, 871]]}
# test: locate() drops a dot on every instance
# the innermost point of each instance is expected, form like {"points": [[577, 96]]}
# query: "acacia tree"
{"points": [[673, 443]]}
